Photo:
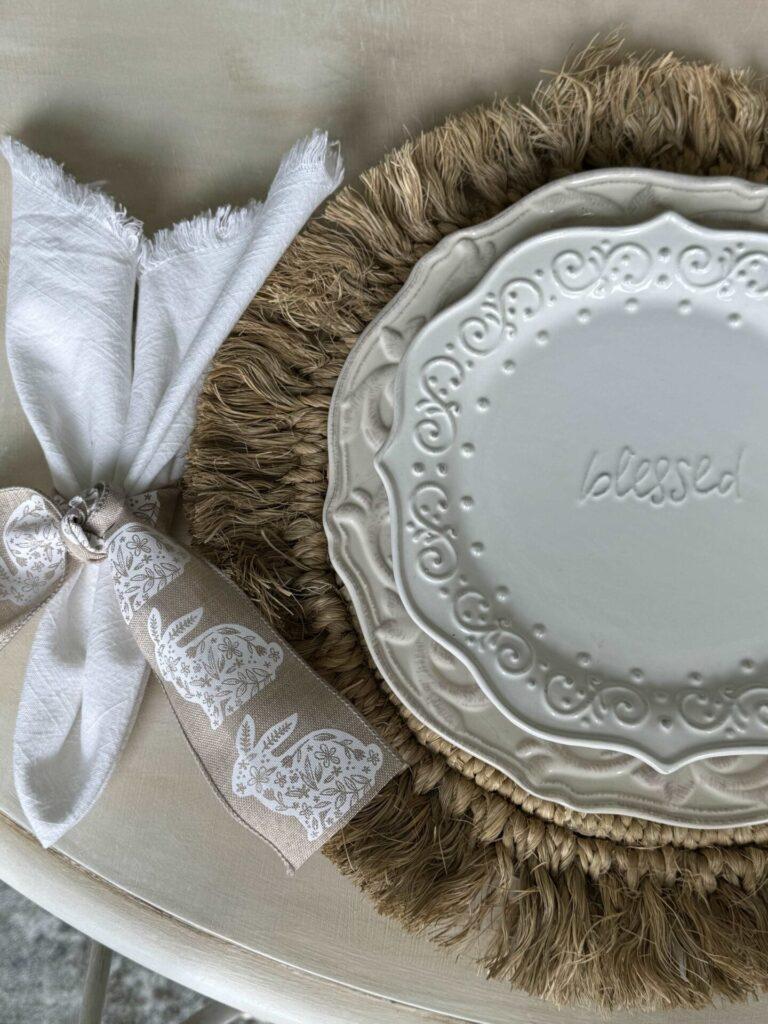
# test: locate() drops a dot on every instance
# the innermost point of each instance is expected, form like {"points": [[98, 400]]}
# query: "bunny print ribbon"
{"points": [[290, 757]]}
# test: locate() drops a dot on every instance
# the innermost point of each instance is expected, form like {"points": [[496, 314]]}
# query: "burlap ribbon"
{"points": [[290, 757]]}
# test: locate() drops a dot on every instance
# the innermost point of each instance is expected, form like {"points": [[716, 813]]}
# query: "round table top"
{"points": [[186, 105]]}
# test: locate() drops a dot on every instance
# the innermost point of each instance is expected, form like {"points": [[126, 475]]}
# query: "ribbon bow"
{"points": [[108, 335], [291, 758]]}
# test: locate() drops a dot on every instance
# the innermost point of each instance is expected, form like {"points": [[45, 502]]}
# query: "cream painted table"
{"points": [[185, 104]]}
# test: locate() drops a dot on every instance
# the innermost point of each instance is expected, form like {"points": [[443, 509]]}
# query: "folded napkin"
{"points": [[108, 336]]}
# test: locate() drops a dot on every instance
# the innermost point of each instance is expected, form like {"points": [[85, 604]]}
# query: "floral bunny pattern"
{"points": [[318, 780], [220, 670], [36, 554], [143, 564]]}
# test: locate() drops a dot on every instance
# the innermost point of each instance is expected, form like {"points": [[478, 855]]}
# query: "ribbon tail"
{"points": [[291, 758]]}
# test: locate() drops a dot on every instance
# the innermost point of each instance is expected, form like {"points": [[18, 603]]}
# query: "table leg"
{"points": [[96, 979]]}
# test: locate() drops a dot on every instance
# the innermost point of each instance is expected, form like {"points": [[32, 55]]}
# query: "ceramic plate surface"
{"points": [[431, 682], [578, 482]]}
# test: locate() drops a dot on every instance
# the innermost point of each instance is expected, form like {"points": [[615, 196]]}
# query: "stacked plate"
{"points": [[548, 494]]}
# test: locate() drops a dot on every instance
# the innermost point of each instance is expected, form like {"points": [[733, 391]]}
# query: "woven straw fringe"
{"points": [[614, 912]]}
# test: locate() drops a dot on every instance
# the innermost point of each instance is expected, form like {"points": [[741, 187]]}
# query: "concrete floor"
{"points": [[42, 965]]}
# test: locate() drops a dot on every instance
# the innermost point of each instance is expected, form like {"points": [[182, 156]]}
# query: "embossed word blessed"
{"points": [[660, 479]]}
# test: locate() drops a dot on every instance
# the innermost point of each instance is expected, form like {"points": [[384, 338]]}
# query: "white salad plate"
{"points": [[578, 482], [434, 685]]}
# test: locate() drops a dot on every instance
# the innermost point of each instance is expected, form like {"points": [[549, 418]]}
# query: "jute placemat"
{"points": [[615, 911]]}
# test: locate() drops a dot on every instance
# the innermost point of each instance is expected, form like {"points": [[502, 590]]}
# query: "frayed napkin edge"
{"points": [[48, 176], [311, 156]]}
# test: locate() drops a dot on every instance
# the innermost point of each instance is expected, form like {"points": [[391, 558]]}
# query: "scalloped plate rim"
{"points": [[561, 793]]}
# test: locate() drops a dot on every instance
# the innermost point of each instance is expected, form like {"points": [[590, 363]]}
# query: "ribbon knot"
{"points": [[81, 534]]}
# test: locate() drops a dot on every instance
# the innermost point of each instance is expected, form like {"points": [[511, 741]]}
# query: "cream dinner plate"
{"points": [[436, 685], [578, 480]]}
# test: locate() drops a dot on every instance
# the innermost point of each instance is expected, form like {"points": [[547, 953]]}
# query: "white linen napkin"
{"points": [[114, 402]]}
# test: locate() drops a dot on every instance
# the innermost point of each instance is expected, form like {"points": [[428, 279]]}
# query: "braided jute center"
{"points": [[573, 907]]}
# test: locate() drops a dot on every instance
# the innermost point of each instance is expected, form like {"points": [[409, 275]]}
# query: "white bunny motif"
{"points": [[317, 780], [36, 554], [220, 670]]}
